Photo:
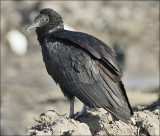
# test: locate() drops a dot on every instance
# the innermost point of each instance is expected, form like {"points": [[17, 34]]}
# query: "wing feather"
{"points": [[93, 46], [83, 76]]}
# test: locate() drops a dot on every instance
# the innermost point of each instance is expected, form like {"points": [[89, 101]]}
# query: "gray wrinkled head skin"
{"points": [[47, 22], [40, 21]]}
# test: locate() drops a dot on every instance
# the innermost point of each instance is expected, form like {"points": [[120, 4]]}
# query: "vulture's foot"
{"points": [[83, 112]]}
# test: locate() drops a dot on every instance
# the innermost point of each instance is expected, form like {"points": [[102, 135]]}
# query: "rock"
{"points": [[97, 122], [50, 123], [148, 122]]}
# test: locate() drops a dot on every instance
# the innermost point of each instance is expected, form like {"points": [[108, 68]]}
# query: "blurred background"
{"points": [[131, 28]]}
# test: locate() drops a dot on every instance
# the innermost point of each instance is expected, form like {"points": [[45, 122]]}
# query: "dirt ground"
{"points": [[145, 122], [26, 88]]}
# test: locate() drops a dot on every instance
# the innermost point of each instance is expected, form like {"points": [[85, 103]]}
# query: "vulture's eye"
{"points": [[43, 19]]}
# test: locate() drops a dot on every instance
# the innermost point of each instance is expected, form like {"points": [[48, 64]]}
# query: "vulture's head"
{"points": [[47, 19]]}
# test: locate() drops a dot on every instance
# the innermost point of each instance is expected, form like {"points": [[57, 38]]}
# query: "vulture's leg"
{"points": [[83, 112], [71, 114]]}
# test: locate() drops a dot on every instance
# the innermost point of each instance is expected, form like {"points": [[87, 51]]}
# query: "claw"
{"points": [[83, 112]]}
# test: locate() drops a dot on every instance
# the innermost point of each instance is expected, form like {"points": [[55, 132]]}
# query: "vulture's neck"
{"points": [[43, 32]]}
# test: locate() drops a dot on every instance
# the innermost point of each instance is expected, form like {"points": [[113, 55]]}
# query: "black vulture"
{"points": [[82, 65]]}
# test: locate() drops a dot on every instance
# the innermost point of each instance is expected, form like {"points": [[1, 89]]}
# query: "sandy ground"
{"points": [[144, 122]]}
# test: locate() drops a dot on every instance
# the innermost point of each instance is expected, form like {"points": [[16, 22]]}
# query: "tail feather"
{"points": [[119, 115], [123, 113], [126, 98]]}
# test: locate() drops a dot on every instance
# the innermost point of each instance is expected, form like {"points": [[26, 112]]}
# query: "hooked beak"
{"points": [[33, 25]]}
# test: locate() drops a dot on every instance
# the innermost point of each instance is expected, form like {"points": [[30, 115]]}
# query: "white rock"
{"points": [[18, 42]]}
